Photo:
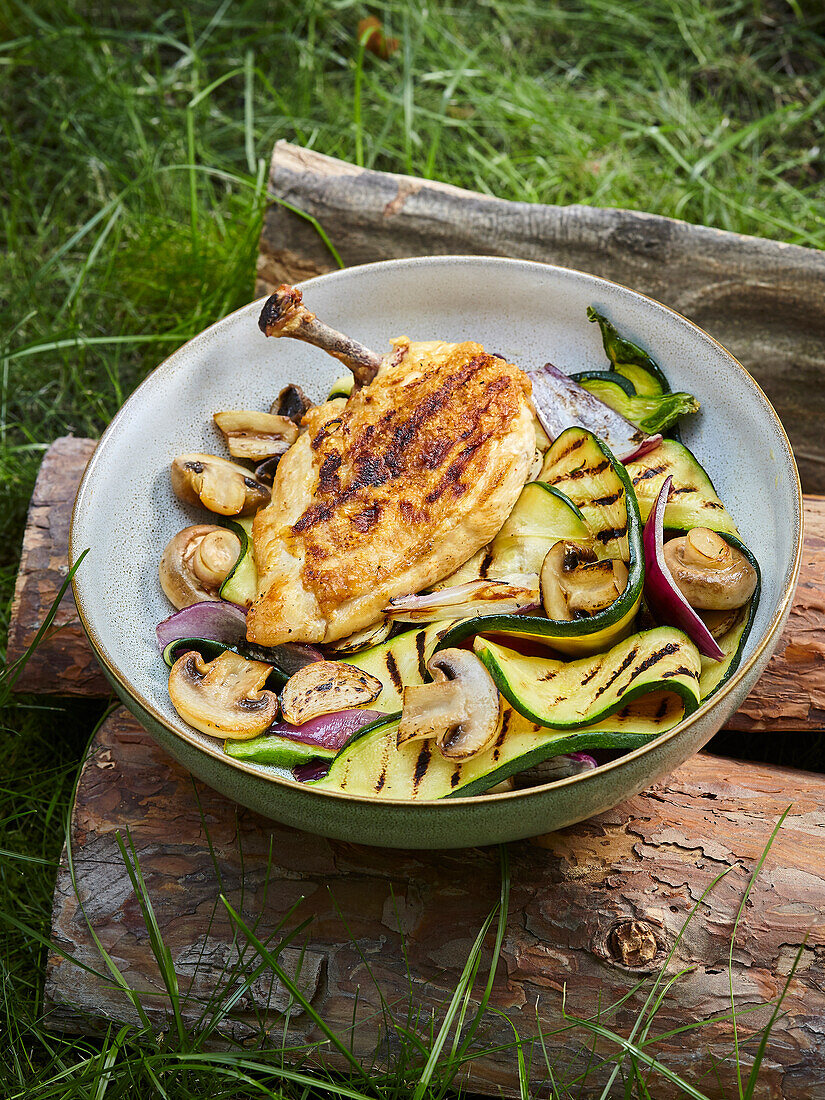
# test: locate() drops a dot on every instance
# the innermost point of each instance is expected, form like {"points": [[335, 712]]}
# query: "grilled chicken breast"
{"points": [[389, 492]]}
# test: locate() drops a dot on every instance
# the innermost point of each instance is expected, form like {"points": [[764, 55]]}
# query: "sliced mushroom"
{"points": [[720, 622], [711, 574], [575, 584], [324, 687], [292, 402], [196, 562], [460, 709], [219, 485], [224, 697], [256, 435]]}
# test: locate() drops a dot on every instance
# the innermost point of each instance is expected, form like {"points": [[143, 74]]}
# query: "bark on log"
{"points": [[762, 299], [63, 662], [593, 909], [789, 696]]}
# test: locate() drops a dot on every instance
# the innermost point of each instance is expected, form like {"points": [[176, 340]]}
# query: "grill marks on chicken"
{"points": [[390, 492]]}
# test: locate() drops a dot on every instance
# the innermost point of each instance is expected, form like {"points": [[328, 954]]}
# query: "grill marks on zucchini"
{"points": [[566, 695], [399, 662], [598, 490], [583, 469], [693, 501], [372, 765]]}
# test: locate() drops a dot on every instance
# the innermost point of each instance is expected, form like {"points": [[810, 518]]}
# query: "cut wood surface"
{"points": [[593, 909], [789, 696], [762, 299], [63, 663]]}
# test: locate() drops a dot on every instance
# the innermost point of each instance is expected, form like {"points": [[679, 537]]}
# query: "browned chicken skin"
{"points": [[392, 490]]}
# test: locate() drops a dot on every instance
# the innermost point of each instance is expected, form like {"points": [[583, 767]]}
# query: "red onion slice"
{"points": [[308, 773], [480, 597], [330, 731], [561, 403], [216, 620], [666, 601]]}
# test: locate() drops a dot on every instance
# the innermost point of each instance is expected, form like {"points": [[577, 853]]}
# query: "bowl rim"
{"points": [[216, 750]]}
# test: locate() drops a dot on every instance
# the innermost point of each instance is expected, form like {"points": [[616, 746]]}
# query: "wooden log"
{"points": [[63, 663], [789, 696], [762, 299], [593, 909]]}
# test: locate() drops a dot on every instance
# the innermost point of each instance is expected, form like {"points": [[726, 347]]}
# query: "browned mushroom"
{"points": [[324, 687], [460, 709], [291, 402], [196, 562], [224, 697], [575, 583], [711, 574], [256, 435], [219, 485]]}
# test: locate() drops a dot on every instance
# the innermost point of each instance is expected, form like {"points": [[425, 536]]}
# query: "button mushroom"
{"points": [[575, 584], [711, 574], [291, 402], [224, 697], [256, 435], [460, 709], [324, 687], [196, 562], [219, 485]]}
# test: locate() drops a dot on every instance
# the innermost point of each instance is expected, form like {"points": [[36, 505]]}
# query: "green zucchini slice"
{"points": [[341, 387], [629, 359], [693, 501], [280, 752], [372, 765], [400, 662], [584, 471], [541, 517], [571, 694], [651, 412], [624, 384], [241, 585]]}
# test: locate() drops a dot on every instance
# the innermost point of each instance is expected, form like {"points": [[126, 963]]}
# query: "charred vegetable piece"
{"points": [[196, 562], [470, 599], [652, 413], [372, 764], [291, 402], [629, 359], [217, 484], [541, 517], [326, 686], [285, 660], [399, 662], [278, 752], [225, 697], [561, 403], [241, 584], [576, 584], [580, 465], [570, 694], [362, 639], [693, 501], [459, 710], [256, 436]]}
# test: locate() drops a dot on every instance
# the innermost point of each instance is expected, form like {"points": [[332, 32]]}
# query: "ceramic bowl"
{"points": [[125, 510]]}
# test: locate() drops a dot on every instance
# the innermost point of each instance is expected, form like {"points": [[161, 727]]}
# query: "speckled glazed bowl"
{"points": [[126, 512]]}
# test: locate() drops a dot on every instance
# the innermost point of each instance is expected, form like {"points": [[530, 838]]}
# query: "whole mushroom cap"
{"points": [[196, 562]]}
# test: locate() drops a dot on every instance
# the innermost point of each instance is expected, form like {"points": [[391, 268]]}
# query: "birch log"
{"points": [[593, 909]]}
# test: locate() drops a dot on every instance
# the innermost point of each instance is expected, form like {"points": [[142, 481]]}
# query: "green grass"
{"points": [[134, 151]]}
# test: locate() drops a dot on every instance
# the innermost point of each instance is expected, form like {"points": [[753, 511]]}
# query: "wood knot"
{"points": [[632, 944]]}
